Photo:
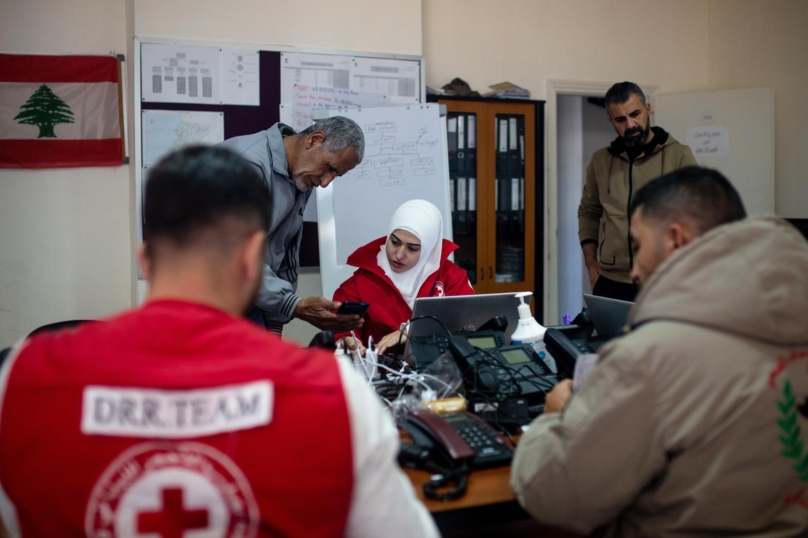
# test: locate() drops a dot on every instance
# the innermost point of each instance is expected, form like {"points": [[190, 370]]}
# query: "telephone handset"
{"points": [[430, 431], [477, 373], [458, 439]]}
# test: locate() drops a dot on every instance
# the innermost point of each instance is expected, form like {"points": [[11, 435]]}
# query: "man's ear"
{"points": [[315, 138], [252, 255], [678, 235], [143, 261], [648, 107]]}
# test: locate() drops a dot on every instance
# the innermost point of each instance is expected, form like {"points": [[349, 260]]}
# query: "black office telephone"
{"points": [[457, 440], [502, 372], [450, 446]]}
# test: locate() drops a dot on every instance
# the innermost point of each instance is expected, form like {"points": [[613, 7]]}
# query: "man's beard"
{"points": [[636, 141]]}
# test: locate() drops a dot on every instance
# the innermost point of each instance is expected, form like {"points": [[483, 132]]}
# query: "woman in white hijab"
{"points": [[392, 271]]}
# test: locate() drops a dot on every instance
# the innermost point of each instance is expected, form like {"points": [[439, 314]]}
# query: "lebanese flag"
{"points": [[59, 111]]}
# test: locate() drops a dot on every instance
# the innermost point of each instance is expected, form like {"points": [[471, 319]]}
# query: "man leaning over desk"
{"points": [[292, 165], [693, 423], [638, 154]]}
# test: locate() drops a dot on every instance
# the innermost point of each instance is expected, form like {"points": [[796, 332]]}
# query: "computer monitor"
{"points": [[461, 312]]}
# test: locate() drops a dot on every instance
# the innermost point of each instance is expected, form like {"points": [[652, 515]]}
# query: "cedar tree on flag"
{"points": [[58, 111]]}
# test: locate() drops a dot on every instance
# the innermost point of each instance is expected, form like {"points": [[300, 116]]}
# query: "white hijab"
{"points": [[423, 220]]}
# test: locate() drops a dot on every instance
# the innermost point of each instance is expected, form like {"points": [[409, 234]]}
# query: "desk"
{"points": [[488, 500], [489, 507]]}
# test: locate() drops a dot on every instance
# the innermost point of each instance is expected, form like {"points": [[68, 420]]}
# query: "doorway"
{"points": [[582, 129], [561, 220]]}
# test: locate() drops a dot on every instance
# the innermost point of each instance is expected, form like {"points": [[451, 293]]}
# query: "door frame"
{"points": [[556, 87]]}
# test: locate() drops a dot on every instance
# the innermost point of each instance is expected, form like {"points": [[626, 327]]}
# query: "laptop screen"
{"points": [[461, 312], [608, 315]]}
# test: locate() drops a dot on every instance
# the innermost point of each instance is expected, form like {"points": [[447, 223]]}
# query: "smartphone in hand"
{"points": [[351, 307]]}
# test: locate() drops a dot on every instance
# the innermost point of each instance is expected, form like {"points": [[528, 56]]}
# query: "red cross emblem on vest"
{"points": [[168, 489], [173, 519]]}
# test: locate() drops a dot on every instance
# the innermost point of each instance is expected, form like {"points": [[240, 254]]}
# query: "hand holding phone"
{"points": [[319, 311], [352, 307]]}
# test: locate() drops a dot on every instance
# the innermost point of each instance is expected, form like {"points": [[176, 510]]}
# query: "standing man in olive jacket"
{"points": [[639, 154]]}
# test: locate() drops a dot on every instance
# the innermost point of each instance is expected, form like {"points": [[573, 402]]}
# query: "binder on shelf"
{"points": [[462, 204], [502, 148], [471, 221], [521, 224], [451, 142], [513, 147], [461, 145], [504, 206], [471, 145], [516, 203]]}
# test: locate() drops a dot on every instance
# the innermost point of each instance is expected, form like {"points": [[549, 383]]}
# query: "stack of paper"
{"points": [[508, 90]]}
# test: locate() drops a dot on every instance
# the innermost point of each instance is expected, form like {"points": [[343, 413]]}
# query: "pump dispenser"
{"points": [[530, 331]]}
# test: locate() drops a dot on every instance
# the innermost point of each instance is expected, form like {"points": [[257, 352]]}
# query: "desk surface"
{"points": [[485, 487], [488, 502], [489, 505]]}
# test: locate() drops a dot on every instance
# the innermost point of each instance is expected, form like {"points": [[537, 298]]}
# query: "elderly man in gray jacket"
{"points": [[292, 164], [693, 423]]}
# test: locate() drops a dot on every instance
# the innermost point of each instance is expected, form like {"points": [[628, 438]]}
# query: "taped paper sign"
{"points": [[708, 141]]}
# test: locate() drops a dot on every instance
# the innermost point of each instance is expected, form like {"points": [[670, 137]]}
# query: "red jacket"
{"points": [[105, 430], [388, 309]]}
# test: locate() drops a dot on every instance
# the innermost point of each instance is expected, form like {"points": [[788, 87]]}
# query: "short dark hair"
{"points": [[703, 196], [621, 92], [192, 189]]}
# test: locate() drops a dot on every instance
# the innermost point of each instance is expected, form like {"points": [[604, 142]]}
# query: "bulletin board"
{"points": [[190, 92]]}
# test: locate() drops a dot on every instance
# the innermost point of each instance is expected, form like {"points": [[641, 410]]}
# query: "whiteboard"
{"points": [[731, 131], [312, 81], [405, 158], [234, 88]]}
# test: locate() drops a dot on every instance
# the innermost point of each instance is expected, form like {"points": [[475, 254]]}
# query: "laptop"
{"points": [[608, 315], [460, 312]]}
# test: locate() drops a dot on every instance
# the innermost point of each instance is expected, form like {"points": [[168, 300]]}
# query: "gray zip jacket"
{"points": [[695, 423], [265, 150]]}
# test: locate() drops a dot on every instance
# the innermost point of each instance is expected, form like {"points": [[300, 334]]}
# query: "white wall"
{"points": [[571, 171], [529, 41], [583, 128], [392, 26], [64, 233], [755, 43]]}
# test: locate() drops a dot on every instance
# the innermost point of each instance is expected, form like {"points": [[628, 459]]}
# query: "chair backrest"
{"points": [[59, 325]]}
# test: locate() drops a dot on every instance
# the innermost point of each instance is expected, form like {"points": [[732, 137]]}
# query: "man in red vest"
{"points": [[182, 416]]}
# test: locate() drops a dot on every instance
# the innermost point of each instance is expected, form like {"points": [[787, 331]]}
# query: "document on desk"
{"points": [[583, 366]]}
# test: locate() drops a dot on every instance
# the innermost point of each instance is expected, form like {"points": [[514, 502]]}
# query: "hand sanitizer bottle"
{"points": [[529, 331]]}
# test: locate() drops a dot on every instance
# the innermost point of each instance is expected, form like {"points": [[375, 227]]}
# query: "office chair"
{"points": [[324, 340], [59, 325]]}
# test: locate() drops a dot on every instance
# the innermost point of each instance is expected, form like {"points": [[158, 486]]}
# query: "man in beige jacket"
{"points": [[639, 154], [693, 423]]}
